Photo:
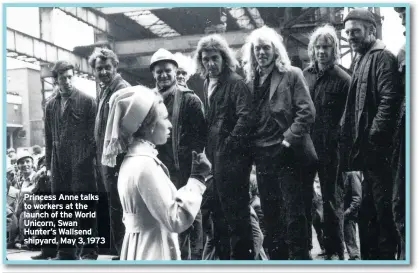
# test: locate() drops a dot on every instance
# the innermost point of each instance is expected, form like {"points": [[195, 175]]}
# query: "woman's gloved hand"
{"points": [[201, 166]]}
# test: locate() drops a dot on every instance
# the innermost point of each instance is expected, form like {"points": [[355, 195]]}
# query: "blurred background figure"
{"points": [[36, 154], [317, 214], [11, 154], [352, 202], [185, 70]]}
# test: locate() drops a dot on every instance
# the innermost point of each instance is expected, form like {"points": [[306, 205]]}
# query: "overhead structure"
{"points": [[34, 50], [135, 33]]}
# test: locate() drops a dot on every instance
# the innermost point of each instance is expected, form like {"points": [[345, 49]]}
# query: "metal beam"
{"points": [[345, 53], [143, 62], [88, 17], [119, 10], [43, 51], [295, 20], [184, 43]]}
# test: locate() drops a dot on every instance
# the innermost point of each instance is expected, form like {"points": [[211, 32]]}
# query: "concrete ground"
{"points": [[23, 255]]}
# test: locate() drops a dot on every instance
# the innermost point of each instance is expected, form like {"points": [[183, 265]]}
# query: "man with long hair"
{"points": [[283, 113], [328, 85], [228, 108]]}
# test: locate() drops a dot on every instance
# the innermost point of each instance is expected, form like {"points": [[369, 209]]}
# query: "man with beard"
{"points": [[367, 128], [399, 153], [328, 85], [228, 104], [186, 113], [281, 144], [105, 63], [70, 151]]}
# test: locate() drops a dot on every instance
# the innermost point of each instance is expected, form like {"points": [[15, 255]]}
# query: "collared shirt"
{"points": [[211, 87], [64, 100], [264, 72]]}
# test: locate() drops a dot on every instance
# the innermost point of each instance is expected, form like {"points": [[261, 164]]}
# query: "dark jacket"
{"points": [[228, 117], [103, 111], [69, 141], [328, 91], [188, 132], [293, 109], [369, 118], [399, 136]]}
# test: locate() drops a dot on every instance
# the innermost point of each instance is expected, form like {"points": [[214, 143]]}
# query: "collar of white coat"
{"points": [[139, 147]]}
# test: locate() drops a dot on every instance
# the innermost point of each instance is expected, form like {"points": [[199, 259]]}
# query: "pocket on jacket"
{"points": [[76, 116]]}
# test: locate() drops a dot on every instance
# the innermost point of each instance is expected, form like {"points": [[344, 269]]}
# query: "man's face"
{"points": [[65, 81], [402, 16], [323, 50], [26, 165], [358, 35], [105, 70], [165, 74], [264, 52], [213, 62], [182, 77]]}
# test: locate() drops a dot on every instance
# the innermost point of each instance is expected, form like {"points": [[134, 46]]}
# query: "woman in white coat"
{"points": [[154, 210]]}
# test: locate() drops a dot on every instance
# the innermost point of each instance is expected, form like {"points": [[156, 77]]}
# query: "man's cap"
{"points": [[162, 55], [22, 155], [361, 14]]}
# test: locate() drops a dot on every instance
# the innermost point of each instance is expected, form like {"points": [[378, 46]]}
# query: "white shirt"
{"points": [[211, 87]]}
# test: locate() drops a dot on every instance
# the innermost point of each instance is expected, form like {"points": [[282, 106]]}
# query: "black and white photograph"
{"points": [[207, 133]]}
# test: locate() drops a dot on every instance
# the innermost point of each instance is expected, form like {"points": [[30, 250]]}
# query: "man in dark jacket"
{"points": [[227, 106], [367, 128], [70, 150], [105, 63], [399, 153], [186, 113], [281, 144], [328, 85], [352, 200]]}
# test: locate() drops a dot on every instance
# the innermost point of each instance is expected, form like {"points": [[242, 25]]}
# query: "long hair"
{"points": [[329, 33], [214, 42], [282, 61]]}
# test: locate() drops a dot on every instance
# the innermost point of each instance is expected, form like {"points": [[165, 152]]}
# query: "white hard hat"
{"points": [[22, 155], [162, 55]]}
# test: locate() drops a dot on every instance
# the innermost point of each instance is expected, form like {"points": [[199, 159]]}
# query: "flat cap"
{"points": [[361, 14]]}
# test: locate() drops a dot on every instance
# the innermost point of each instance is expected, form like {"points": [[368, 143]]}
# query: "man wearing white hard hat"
{"points": [[189, 133]]}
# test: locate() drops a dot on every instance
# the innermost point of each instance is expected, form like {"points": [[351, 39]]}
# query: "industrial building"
{"points": [[134, 34]]}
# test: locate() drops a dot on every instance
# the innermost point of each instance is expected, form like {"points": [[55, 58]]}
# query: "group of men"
{"points": [[289, 123], [23, 176]]}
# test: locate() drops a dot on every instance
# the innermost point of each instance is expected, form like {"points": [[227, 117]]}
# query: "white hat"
{"points": [[22, 155], [162, 55], [128, 109]]}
